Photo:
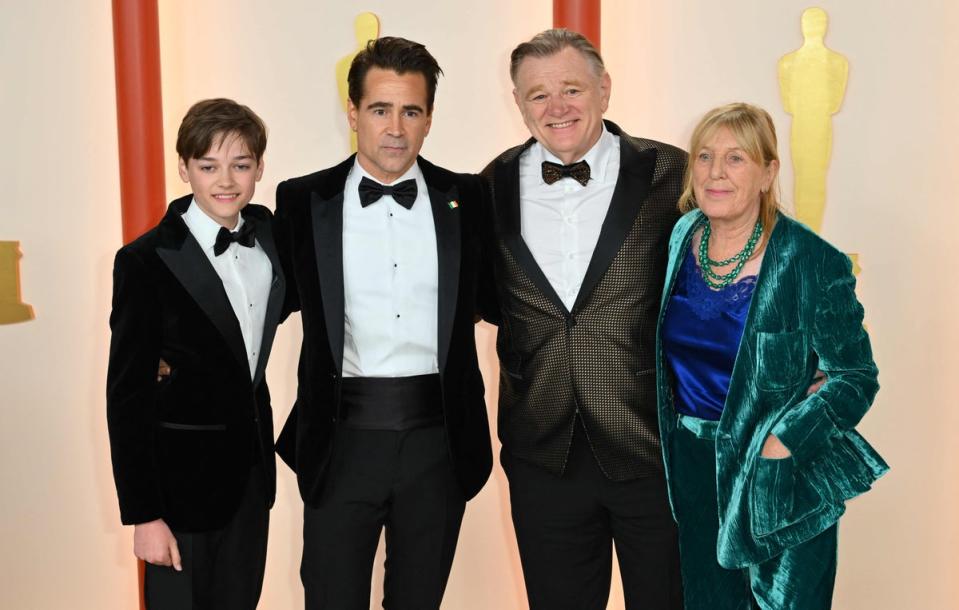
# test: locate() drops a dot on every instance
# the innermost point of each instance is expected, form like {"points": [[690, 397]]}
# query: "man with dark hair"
{"points": [[389, 428], [583, 213], [192, 453]]}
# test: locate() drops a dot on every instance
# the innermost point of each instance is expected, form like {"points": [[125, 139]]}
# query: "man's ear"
{"points": [[351, 112], [182, 169], [605, 88]]}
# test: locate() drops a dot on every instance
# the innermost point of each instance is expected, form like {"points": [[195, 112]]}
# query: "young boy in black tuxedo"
{"points": [[193, 452]]}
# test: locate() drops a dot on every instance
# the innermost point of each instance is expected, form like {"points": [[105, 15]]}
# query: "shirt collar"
{"points": [[358, 173], [204, 228], [597, 157]]}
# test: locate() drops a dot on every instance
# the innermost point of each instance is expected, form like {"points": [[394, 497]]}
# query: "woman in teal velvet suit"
{"points": [[759, 461]]}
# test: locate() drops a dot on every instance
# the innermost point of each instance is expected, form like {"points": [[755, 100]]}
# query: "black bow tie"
{"points": [[404, 193], [553, 172], [225, 237]]}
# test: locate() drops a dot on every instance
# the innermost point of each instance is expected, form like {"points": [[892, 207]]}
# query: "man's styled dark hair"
{"points": [[399, 55], [208, 121]]}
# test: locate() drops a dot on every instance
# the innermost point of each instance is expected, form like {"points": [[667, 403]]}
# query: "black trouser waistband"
{"points": [[392, 403]]}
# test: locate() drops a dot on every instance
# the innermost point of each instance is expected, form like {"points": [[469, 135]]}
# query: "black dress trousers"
{"points": [[566, 526], [403, 481], [223, 568]]}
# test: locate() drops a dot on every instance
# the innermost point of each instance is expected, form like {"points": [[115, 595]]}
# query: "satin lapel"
{"points": [[193, 270], [446, 223], [327, 217], [274, 305], [508, 209], [632, 187]]}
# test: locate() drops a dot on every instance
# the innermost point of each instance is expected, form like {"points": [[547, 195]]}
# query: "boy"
{"points": [[193, 452]]}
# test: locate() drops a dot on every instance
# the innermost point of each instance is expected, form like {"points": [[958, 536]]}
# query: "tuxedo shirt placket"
{"points": [[561, 222], [390, 283], [246, 274]]}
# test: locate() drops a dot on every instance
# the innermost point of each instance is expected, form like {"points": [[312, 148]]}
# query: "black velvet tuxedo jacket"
{"points": [[183, 447], [309, 215], [595, 362]]}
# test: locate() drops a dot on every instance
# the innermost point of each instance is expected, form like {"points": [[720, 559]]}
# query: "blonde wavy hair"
{"points": [[755, 133]]}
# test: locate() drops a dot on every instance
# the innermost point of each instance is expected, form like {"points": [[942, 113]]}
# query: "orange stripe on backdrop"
{"points": [[581, 16], [136, 52]]}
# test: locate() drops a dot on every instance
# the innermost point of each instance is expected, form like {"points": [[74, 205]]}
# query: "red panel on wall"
{"points": [[581, 16], [136, 52]]}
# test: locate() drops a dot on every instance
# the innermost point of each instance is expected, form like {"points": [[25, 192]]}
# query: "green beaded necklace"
{"points": [[714, 280]]}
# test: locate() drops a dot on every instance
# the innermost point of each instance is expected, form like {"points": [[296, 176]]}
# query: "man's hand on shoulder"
{"points": [[153, 542]]}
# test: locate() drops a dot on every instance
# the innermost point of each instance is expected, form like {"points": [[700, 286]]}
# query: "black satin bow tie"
{"points": [[553, 172], [225, 237], [404, 193]]}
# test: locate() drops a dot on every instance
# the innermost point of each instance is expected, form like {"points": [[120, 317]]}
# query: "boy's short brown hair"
{"points": [[207, 121]]}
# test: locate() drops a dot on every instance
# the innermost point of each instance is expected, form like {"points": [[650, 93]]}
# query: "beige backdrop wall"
{"points": [[891, 199]]}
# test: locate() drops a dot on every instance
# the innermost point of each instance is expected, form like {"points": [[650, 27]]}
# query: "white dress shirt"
{"points": [[390, 282], [246, 273], [560, 222]]}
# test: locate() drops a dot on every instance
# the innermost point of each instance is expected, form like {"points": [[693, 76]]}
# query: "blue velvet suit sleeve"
{"points": [[845, 355]]}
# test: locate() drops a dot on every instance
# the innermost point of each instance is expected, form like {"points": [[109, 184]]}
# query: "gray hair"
{"points": [[550, 42]]}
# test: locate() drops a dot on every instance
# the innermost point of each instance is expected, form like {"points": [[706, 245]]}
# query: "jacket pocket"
{"points": [[780, 496], [771, 501], [781, 359], [194, 427]]}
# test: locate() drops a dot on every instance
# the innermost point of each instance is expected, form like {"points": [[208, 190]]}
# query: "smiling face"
{"points": [[562, 100], [224, 179], [391, 122], [727, 182]]}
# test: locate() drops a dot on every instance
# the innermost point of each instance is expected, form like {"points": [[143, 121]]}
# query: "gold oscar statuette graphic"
{"points": [[12, 309], [812, 82], [367, 28]]}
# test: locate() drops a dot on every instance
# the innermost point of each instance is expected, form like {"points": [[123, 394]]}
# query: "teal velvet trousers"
{"points": [[801, 578]]}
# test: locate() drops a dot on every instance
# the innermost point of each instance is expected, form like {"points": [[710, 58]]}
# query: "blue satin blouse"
{"points": [[701, 334]]}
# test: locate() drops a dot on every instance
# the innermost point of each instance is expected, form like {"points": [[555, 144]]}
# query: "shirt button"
{"points": [[397, 315], [571, 256]]}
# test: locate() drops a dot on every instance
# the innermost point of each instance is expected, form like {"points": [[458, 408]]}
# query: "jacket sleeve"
{"points": [[283, 234], [487, 297], [845, 356], [131, 388]]}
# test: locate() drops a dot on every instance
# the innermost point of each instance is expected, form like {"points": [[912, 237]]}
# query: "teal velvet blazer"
{"points": [[804, 315]]}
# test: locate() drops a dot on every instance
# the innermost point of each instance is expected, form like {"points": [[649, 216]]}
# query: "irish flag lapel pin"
{"points": [[453, 204]]}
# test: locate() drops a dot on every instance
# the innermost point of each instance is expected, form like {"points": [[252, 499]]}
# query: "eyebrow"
{"points": [[565, 83], [236, 158], [739, 148], [377, 105]]}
